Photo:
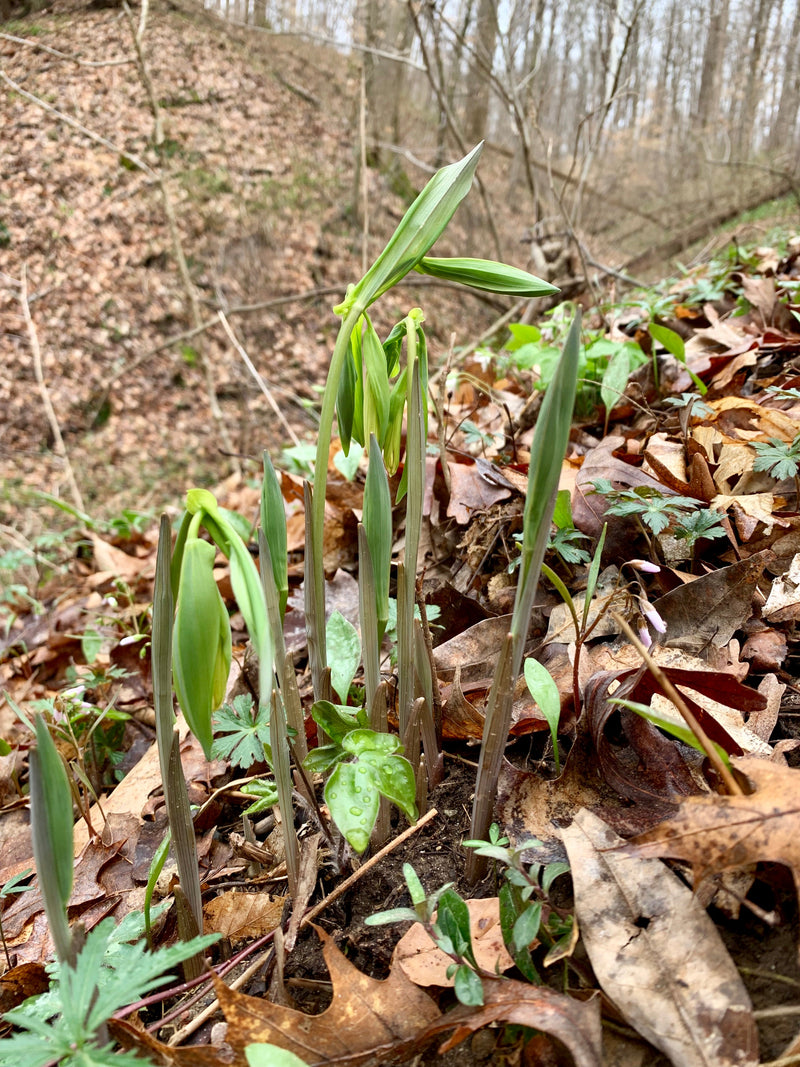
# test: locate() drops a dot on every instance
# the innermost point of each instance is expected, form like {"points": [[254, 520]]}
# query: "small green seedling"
{"points": [[344, 653], [242, 733], [545, 692], [527, 916], [67, 1025], [365, 765], [445, 917], [780, 459]]}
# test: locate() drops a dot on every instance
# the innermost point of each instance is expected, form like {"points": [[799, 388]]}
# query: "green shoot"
{"points": [[780, 459], [545, 692], [547, 454]]}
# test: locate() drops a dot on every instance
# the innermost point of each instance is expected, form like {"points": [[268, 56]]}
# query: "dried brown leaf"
{"points": [[239, 916], [425, 965], [711, 608], [657, 954], [367, 1020], [576, 1023], [718, 833]]}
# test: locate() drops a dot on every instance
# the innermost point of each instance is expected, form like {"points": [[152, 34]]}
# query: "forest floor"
{"points": [[108, 392]]}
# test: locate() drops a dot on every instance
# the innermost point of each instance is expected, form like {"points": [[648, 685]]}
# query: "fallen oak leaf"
{"points": [[657, 954], [425, 964], [711, 608], [368, 1019], [134, 1039], [575, 1023], [719, 833]]}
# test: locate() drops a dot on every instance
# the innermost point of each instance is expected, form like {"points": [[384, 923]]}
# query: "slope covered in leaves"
{"points": [[683, 449]]}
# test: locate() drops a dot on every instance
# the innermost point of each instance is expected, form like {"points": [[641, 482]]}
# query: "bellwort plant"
{"points": [[359, 385], [372, 388]]}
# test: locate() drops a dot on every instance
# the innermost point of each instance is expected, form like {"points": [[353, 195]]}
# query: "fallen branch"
{"points": [[58, 441], [262, 385]]}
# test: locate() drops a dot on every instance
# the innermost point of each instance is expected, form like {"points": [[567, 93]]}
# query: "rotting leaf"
{"points": [[367, 1020], [239, 916], [657, 954], [576, 1023], [711, 608], [719, 833]]}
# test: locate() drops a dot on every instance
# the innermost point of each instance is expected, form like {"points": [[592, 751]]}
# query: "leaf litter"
{"points": [[647, 944]]}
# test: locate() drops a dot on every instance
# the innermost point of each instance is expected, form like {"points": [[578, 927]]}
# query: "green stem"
{"points": [[326, 418]]}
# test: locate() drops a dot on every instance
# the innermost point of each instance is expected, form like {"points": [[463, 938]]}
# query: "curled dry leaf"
{"points": [[657, 954], [717, 833], [575, 1023]]}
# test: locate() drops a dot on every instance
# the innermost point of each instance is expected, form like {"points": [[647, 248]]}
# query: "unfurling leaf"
{"points": [[486, 274], [545, 692], [344, 653], [201, 642], [273, 523]]}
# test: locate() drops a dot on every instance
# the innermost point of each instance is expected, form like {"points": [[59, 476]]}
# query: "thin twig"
{"points": [[672, 694], [63, 55], [96, 137], [213, 1007], [262, 385], [58, 441], [370, 863], [309, 917]]}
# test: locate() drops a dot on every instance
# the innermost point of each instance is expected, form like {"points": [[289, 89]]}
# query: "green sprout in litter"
{"points": [[700, 525], [697, 405], [650, 507], [779, 459]]}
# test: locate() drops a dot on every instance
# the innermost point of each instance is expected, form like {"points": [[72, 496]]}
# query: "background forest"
{"points": [[189, 196]]}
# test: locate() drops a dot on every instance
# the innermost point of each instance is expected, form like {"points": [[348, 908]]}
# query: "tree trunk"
{"points": [[480, 68], [707, 114], [783, 134]]}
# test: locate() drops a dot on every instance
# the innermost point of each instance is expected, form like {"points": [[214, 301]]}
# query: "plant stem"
{"points": [[318, 652]]}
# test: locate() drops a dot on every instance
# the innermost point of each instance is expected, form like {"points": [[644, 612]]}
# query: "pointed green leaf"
{"points": [[488, 275], [377, 519], [201, 642], [545, 692], [51, 809], [273, 523], [418, 231], [376, 384], [344, 653]]}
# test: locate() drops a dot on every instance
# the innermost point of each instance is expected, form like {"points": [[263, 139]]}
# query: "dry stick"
{"points": [[309, 917], [672, 693], [63, 55], [36, 352], [177, 244], [96, 137], [259, 380]]}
